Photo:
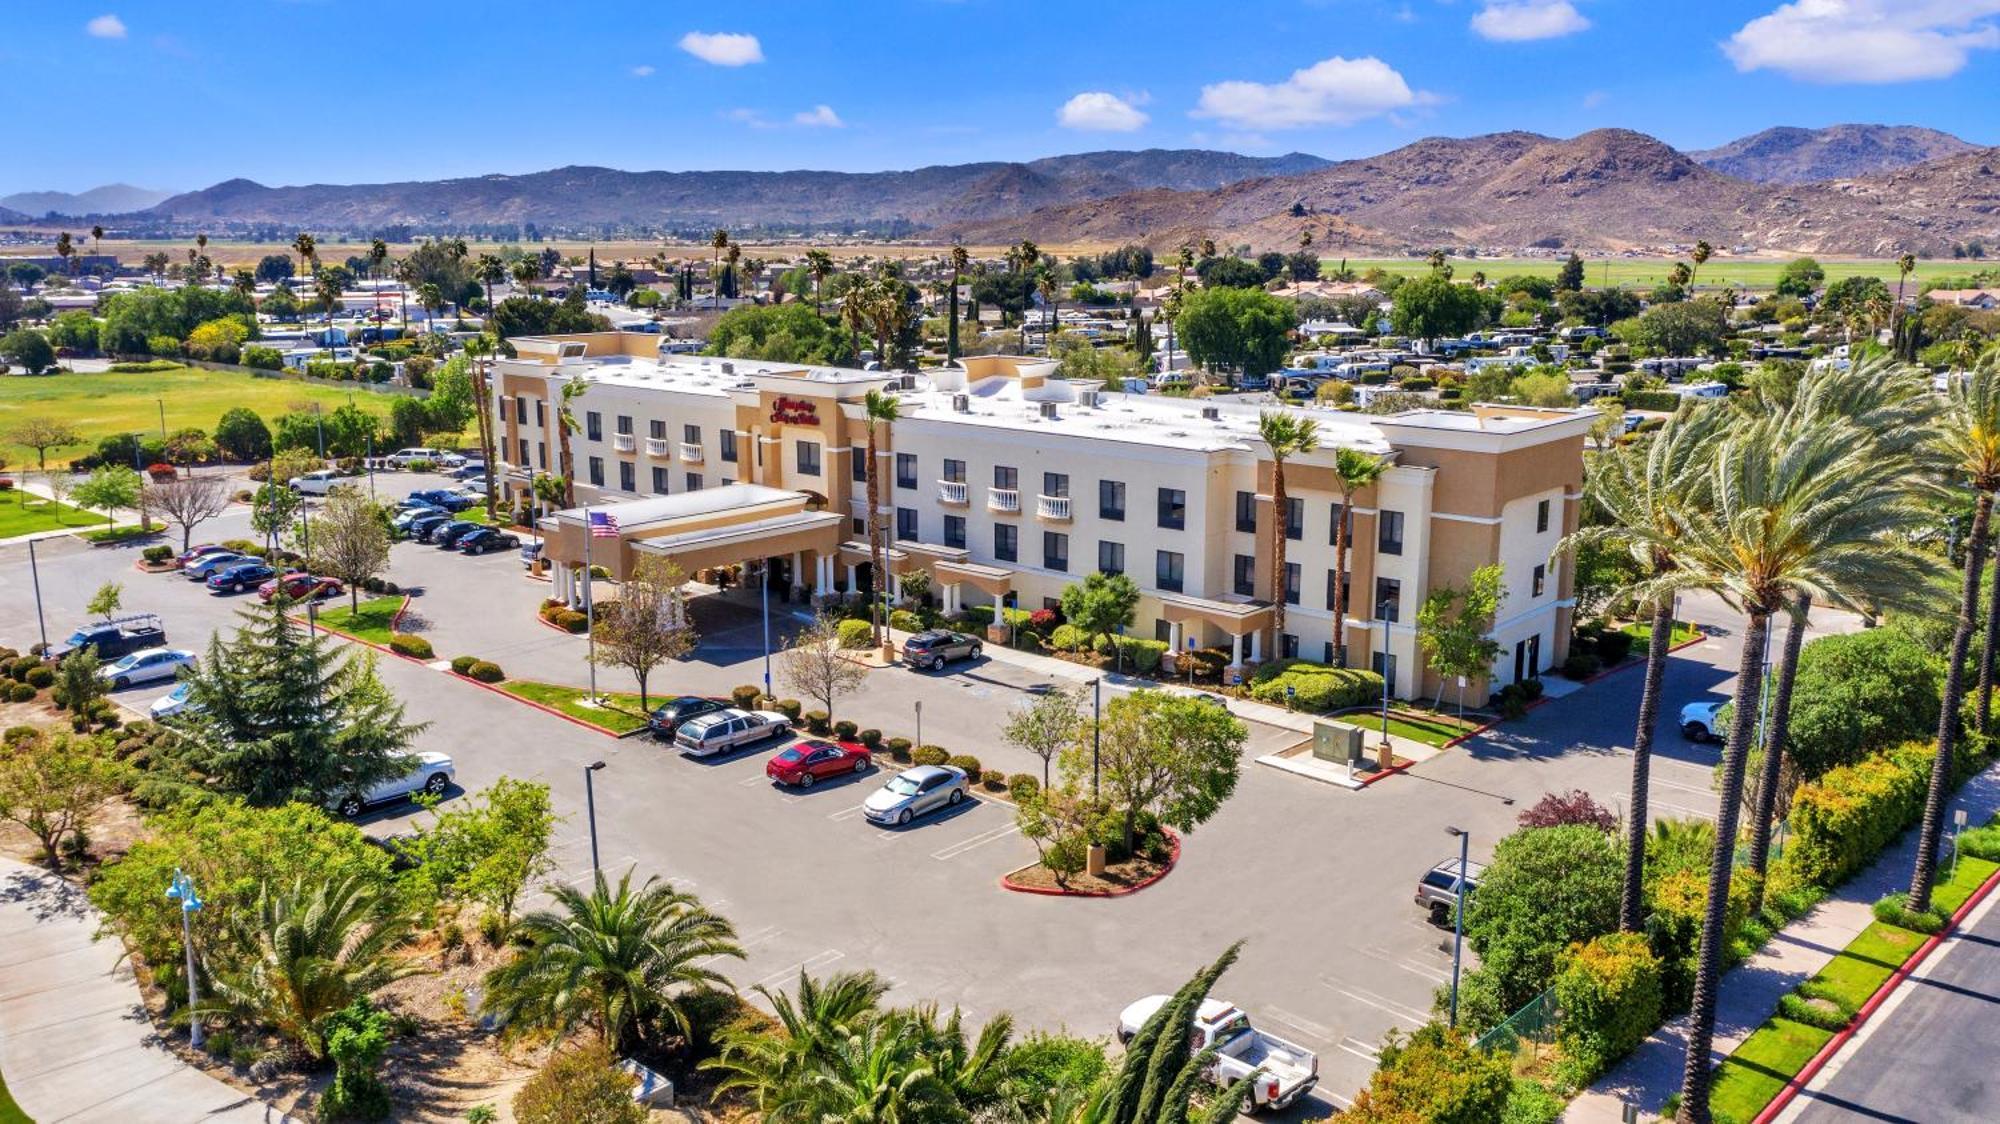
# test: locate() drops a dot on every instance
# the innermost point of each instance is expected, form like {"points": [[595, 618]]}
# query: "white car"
{"points": [[429, 771], [315, 483], [172, 703], [729, 729], [146, 666], [451, 460], [401, 458], [916, 791], [1284, 1071], [1698, 720]]}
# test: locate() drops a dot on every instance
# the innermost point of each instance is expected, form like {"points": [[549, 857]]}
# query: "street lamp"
{"points": [[182, 890], [35, 572], [1458, 919], [1381, 614], [590, 807], [920, 722], [1096, 729], [312, 618], [764, 599]]}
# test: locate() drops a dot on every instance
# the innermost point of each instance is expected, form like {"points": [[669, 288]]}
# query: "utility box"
{"points": [[1338, 742]]}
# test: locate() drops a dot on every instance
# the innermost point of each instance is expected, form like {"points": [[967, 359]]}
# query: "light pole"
{"points": [[35, 572], [920, 722], [182, 890], [163, 417], [764, 599], [1458, 917], [1096, 730], [590, 810], [312, 618], [1383, 618]]}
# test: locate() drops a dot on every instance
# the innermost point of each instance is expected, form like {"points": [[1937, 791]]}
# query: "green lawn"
{"points": [[10, 1113], [121, 534], [102, 404], [1429, 731], [620, 715], [371, 623], [1642, 635], [24, 514], [1648, 272]]}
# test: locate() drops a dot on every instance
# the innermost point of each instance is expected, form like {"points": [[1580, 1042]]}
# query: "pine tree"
{"points": [[1570, 280]]}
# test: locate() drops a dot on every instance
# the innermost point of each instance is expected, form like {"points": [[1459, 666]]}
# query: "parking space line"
{"points": [[847, 813], [1299, 1022], [1401, 1012], [1652, 805], [810, 964], [1705, 790], [1359, 1048], [1430, 972], [991, 835]]}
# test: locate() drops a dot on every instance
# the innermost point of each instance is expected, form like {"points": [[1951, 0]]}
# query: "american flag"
{"points": [[603, 525]]}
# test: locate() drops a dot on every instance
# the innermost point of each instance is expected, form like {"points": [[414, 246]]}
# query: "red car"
{"points": [[299, 586], [806, 762]]}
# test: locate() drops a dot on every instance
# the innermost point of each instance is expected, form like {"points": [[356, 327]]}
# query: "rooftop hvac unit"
{"points": [[1086, 398], [1049, 410], [729, 368], [905, 382], [961, 403], [1211, 413]]}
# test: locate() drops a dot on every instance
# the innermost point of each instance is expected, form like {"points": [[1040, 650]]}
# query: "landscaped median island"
{"points": [[371, 622], [616, 712]]}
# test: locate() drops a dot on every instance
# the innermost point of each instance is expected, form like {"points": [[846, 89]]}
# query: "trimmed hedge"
{"points": [[899, 749], [1069, 638], [871, 738], [485, 671], [790, 708], [853, 634], [463, 664], [1610, 994], [409, 644], [1023, 787], [1840, 822], [816, 721], [1319, 687], [157, 554], [1143, 655], [967, 763], [993, 780], [41, 678], [903, 620], [929, 755], [745, 697]]}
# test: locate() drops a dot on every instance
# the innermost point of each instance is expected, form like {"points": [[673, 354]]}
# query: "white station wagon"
{"points": [[729, 729]]}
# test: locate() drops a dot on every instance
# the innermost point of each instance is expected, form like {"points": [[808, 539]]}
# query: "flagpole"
{"points": [[589, 614]]}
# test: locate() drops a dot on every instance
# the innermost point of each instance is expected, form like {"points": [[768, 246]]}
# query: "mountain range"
{"points": [[1791, 155], [111, 199]]}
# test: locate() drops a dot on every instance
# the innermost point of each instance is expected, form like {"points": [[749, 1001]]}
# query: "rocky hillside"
{"points": [[1791, 155]]}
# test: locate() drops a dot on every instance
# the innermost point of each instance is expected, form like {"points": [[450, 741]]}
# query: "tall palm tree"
{"points": [[244, 282], [875, 1074], [854, 314], [1906, 264], [1970, 436], [1641, 491], [819, 1012], [327, 287], [308, 251], [490, 271], [66, 250], [882, 411], [566, 424], [819, 266], [430, 298], [732, 255], [1045, 283], [526, 272], [1353, 470], [1702, 252], [889, 313], [719, 240], [1288, 434], [959, 259], [1785, 511], [477, 349], [311, 948], [616, 959], [970, 1070], [97, 247]]}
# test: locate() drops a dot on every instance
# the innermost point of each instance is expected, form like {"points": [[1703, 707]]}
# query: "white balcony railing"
{"points": [[624, 442], [657, 447], [1052, 507], [691, 452], [951, 491], [1003, 499]]}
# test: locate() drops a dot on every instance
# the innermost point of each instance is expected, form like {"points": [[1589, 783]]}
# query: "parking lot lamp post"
{"points": [[182, 890], [1096, 731], [312, 617], [35, 573], [590, 811], [920, 722], [1385, 674], [764, 600], [1458, 918]]}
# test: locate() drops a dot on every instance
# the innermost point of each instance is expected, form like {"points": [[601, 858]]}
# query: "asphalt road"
{"points": [[1924, 1057], [1317, 880]]}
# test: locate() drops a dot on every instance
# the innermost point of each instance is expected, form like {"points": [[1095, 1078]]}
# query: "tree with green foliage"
{"points": [[815, 1014], [1049, 724], [1229, 329], [1694, 327], [1433, 307], [649, 624], [486, 850], [110, 489], [1434, 1075], [1453, 627], [1101, 604], [1569, 279], [1171, 755], [350, 539], [357, 1036], [785, 333], [1800, 277], [51, 783], [42, 434], [78, 683], [273, 508], [1286, 434], [1233, 273], [1546, 888], [27, 349], [1163, 1066]]}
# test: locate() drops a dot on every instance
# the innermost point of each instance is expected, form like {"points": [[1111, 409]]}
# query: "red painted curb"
{"points": [[384, 648], [1833, 1046], [543, 707], [1173, 838], [1384, 774], [554, 627]]}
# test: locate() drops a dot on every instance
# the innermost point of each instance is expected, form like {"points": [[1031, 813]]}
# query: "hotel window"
{"points": [[954, 471], [691, 434], [1389, 539], [523, 462], [541, 413], [1541, 517], [1055, 484], [656, 429], [1005, 477], [954, 531], [808, 458], [1055, 550], [1541, 581], [906, 470], [859, 455], [1246, 512], [1006, 542], [1384, 665], [597, 472], [1246, 575], [1288, 647], [727, 438], [1388, 599], [694, 481], [542, 456], [625, 425], [1292, 583], [593, 425], [1295, 519], [1169, 571], [1338, 516], [1111, 500], [628, 477], [906, 524], [1111, 557], [1173, 509], [1335, 577], [659, 481], [521, 408]]}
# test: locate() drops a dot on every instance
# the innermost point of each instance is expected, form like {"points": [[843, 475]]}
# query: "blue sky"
{"points": [[185, 93]]}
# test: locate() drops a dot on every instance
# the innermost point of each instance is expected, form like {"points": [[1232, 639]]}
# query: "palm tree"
{"points": [[1905, 265], [882, 411], [888, 310], [1785, 510], [959, 260], [1289, 435], [875, 1074], [615, 959], [97, 248], [312, 948], [719, 240], [66, 250], [567, 424], [971, 1072], [854, 314], [765, 1065], [308, 252], [431, 299], [327, 287], [1702, 252], [1970, 436], [526, 272], [1353, 470], [245, 282], [819, 265], [732, 255], [1045, 283], [477, 349], [489, 271]]}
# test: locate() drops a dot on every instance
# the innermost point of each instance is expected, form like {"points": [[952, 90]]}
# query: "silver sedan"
{"points": [[915, 792]]}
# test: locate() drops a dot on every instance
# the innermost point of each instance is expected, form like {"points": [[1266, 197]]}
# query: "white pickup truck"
{"points": [[1285, 1071]]}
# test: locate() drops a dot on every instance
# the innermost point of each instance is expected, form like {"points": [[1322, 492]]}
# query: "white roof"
{"points": [[661, 509]]}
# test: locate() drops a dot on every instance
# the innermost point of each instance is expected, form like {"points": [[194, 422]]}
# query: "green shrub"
{"points": [[790, 708], [1613, 647], [1860, 692], [157, 554], [1144, 656], [1069, 638], [1318, 687], [577, 1085], [463, 664], [356, 1038], [871, 737], [20, 692], [1581, 665], [41, 678], [485, 671], [407, 644], [899, 750], [1894, 910], [19, 669], [845, 730], [1609, 993], [1434, 1074], [967, 764], [1981, 843], [1023, 787], [1841, 821], [1818, 1011], [1547, 888], [853, 634], [929, 755], [816, 721], [903, 620], [745, 697], [979, 616], [569, 620], [993, 780], [1531, 1102]]}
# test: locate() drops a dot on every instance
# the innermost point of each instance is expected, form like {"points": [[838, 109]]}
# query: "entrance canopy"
{"points": [[697, 530]]}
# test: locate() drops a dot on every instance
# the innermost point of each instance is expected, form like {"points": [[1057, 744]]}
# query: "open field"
{"points": [[1754, 273], [101, 404]]}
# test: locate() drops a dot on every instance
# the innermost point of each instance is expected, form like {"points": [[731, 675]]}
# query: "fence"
{"points": [[1529, 1034]]}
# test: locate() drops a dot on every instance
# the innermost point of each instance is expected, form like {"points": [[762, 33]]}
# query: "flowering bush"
{"points": [[160, 471], [1042, 620]]}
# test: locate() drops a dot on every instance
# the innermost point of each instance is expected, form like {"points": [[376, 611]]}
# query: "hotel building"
{"points": [[1003, 483]]}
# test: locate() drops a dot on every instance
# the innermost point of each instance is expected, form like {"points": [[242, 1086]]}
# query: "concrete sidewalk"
{"points": [[75, 1042], [1750, 992]]}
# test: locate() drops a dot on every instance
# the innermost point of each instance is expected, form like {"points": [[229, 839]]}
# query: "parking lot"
{"points": [[1318, 880]]}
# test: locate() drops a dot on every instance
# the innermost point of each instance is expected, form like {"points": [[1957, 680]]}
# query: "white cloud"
{"points": [[106, 26], [723, 48], [1594, 98], [1100, 112], [819, 117], [1874, 41], [1513, 21], [643, 70], [1335, 91]]}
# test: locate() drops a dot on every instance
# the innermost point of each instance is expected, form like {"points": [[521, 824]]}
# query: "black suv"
{"points": [[934, 648], [668, 716]]}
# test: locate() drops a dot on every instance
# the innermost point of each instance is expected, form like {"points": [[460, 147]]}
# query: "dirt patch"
{"points": [[1118, 878]]}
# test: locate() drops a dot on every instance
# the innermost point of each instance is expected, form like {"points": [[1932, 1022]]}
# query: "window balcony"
{"points": [[691, 452], [1003, 499], [657, 447], [624, 443], [951, 492], [1053, 508]]}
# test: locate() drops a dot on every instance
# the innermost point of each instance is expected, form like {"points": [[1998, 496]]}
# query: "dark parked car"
{"points": [[438, 497], [934, 648], [118, 636], [668, 716], [451, 534], [486, 539], [419, 527], [236, 579]]}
